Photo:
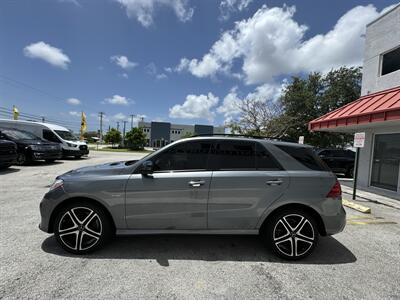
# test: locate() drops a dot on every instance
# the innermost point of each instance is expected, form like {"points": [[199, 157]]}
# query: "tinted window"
{"points": [[183, 156], [50, 136], [264, 160], [16, 135], [391, 61], [232, 155], [305, 156], [66, 135]]}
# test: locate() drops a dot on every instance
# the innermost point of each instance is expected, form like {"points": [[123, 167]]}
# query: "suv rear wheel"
{"points": [[82, 227], [292, 234]]}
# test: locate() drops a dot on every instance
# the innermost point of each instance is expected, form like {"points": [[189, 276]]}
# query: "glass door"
{"points": [[386, 161]]}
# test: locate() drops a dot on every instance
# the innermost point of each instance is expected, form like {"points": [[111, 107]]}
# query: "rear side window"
{"points": [[232, 155], [264, 160], [183, 157], [305, 156]]}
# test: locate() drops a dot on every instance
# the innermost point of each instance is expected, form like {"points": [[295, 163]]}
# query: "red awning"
{"points": [[377, 107]]}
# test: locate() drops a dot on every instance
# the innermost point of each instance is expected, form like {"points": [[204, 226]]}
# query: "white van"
{"points": [[71, 146]]}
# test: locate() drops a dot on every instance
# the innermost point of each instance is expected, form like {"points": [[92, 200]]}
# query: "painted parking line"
{"points": [[371, 222]]}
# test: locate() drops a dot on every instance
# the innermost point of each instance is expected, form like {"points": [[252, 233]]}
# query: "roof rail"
{"points": [[245, 136]]}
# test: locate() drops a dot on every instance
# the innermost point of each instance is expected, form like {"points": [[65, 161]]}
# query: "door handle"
{"points": [[196, 183], [274, 182]]}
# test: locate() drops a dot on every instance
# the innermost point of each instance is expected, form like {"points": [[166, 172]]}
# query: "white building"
{"points": [[377, 112]]}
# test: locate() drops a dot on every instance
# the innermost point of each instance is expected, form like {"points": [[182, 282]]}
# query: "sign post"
{"points": [[301, 139], [359, 139]]}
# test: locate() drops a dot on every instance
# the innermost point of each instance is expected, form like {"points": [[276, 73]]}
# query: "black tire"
{"points": [[350, 172], [22, 159], [82, 227], [78, 156], [292, 234]]}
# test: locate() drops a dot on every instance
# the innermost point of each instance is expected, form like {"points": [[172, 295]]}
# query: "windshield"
{"points": [[66, 135], [16, 135]]}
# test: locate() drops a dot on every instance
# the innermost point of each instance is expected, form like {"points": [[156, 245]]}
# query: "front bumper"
{"points": [[44, 155], [47, 207], [76, 152], [8, 159]]}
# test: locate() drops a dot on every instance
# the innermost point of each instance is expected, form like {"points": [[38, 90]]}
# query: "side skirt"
{"points": [[174, 231]]}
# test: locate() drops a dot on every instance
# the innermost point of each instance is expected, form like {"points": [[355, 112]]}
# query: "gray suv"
{"points": [[200, 185]]}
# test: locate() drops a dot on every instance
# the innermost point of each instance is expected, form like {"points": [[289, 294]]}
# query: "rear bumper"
{"points": [[334, 223]]}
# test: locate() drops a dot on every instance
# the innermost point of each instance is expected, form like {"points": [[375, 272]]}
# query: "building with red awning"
{"points": [[377, 111]]}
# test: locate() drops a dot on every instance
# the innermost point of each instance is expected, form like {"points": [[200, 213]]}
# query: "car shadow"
{"points": [[8, 170], [37, 163], [163, 248]]}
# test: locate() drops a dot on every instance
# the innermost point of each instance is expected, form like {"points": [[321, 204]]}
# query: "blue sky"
{"points": [[183, 61]]}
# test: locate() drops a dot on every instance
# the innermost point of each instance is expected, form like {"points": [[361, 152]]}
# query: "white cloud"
{"points": [[143, 10], [118, 100], [120, 116], [75, 2], [271, 43], [195, 107], [75, 113], [152, 70], [123, 62], [230, 106], [48, 53], [73, 101], [227, 7]]}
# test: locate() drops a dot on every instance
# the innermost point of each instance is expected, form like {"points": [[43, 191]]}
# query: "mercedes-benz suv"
{"points": [[200, 185]]}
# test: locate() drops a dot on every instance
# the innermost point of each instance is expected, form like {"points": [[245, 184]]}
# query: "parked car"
{"points": [[8, 153], [71, 146], [31, 147], [200, 185], [338, 160]]}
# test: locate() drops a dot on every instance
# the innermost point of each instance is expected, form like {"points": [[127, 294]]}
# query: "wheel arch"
{"points": [[78, 199], [308, 209]]}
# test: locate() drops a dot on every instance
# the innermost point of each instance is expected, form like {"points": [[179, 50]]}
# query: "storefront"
{"points": [[378, 115]]}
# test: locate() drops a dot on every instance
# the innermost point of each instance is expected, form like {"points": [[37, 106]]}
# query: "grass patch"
{"points": [[110, 149]]}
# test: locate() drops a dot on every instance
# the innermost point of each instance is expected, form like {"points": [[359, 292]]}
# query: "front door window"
{"points": [[386, 161]]}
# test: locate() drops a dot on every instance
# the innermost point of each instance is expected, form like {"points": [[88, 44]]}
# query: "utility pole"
{"points": [[123, 135], [43, 119], [117, 125], [132, 121], [101, 114]]}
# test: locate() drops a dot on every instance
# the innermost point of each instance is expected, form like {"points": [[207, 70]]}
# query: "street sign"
{"points": [[359, 139], [301, 139]]}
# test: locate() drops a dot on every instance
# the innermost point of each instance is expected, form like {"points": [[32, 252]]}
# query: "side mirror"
{"points": [[147, 167]]}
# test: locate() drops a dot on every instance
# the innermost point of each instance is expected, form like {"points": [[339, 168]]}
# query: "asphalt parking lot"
{"points": [[363, 262]]}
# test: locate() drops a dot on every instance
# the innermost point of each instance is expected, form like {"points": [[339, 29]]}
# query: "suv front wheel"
{"points": [[292, 234], [82, 227]]}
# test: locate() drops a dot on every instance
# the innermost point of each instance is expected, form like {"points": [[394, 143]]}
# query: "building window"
{"points": [[391, 61]]}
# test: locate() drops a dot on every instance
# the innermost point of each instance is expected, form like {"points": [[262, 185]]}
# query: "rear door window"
{"points": [[305, 156], [232, 155], [264, 160]]}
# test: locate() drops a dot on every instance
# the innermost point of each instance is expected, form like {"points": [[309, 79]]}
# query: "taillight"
{"points": [[336, 191]]}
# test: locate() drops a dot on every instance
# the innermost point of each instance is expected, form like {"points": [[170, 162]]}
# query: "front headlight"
{"points": [[72, 145], [56, 184], [36, 147]]}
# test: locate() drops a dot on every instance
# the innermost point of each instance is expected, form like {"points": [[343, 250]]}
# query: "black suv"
{"points": [[31, 147], [8, 153], [338, 160]]}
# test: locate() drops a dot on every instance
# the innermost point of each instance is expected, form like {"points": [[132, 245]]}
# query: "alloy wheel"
{"points": [[80, 228], [21, 159], [293, 235]]}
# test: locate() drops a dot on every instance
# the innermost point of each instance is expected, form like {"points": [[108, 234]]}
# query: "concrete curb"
{"points": [[375, 198]]}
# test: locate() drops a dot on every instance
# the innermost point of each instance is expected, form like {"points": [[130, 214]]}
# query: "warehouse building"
{"points": [[159, 134], [377, 112]]}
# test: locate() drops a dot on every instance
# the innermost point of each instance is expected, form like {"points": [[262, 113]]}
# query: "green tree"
{"points": [[113, 136], [305, 99], [135, 139]]}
